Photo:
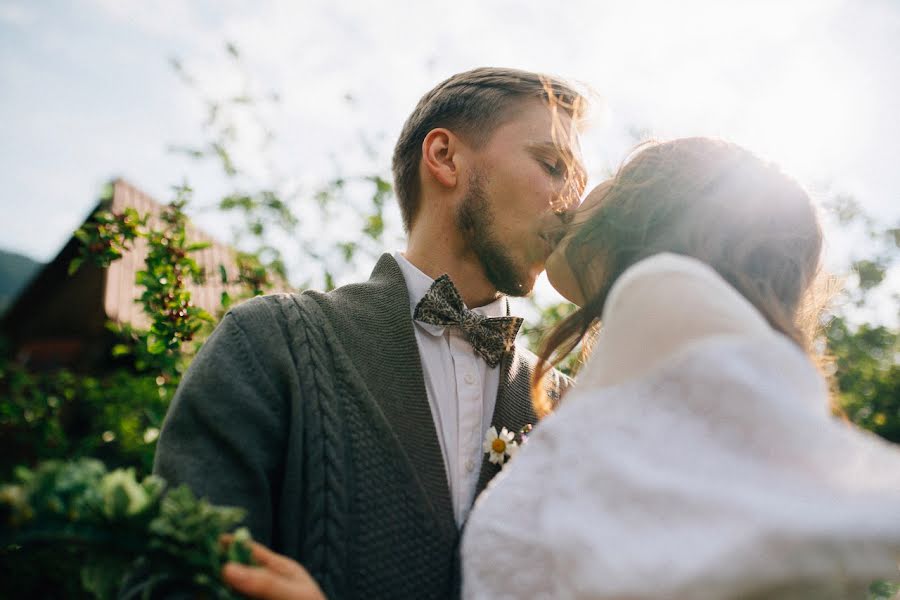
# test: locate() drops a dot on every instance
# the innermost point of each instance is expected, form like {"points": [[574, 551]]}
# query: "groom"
{"points": [[350, 424]]}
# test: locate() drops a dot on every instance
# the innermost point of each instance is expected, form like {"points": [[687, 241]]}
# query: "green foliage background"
{"points": [[115, 417]]}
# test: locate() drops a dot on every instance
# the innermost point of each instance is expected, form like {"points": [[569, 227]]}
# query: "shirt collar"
{"points": [[418, 283]]}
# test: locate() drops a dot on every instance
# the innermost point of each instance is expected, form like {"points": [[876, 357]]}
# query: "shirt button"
{"points": [[470, 465], [469, 378]]}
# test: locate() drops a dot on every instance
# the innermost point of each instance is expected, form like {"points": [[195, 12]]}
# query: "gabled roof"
{"points": [[56, 310]]}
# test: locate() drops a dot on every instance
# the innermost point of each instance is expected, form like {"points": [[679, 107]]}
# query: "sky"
{"points": [[87, 91]]}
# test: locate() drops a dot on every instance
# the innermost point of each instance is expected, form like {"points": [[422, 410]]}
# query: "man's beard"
{"points": [[475, 220]]}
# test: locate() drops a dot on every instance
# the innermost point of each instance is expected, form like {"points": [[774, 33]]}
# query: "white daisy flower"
{"points": [[499, 446]]}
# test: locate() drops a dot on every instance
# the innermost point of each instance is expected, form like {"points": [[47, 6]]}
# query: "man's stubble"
{"points": [[475, 220]]}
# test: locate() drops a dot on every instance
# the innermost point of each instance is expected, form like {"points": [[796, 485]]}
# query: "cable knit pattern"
{"points": [[310, 412], [324, 552]]}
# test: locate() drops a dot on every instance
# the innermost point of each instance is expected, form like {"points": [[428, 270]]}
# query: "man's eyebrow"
{"points": [[548, 147]]}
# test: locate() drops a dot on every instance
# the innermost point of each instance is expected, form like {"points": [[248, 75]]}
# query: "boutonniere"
{"points": [[502, 446]]}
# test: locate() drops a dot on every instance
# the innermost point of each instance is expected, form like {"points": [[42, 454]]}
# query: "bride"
{"points": [[696, 457]]}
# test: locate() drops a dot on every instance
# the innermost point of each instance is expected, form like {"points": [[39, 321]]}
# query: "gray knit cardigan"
{"points": [[310, 411]]}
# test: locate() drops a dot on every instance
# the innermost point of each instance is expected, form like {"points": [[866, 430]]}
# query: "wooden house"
{"points": [[60, 320]]}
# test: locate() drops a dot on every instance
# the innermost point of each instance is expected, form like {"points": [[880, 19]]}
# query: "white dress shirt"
{"points": [[462, 391]]}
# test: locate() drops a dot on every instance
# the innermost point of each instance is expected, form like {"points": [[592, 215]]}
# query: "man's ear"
{"points": [[439, 156]]}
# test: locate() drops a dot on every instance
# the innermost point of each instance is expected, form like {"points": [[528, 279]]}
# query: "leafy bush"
{"points": [[115, 527]]}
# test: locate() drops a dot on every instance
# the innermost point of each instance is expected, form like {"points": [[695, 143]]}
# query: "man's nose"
{"points": [[568, 198]]}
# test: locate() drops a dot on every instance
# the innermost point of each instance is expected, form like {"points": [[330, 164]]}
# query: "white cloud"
{"points": [[17, 14]]}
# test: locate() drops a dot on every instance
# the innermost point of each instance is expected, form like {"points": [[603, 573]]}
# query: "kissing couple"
{"points": [[389, 439]]}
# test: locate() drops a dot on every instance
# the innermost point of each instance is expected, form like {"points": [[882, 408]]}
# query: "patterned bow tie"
{"points": [[490, 337]]}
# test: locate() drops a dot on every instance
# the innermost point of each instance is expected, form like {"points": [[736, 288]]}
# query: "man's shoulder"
{"points": [[530, 360], [358, 310], [384, 284], [265, 311], [371, 307], [263, 322], [273, 314], [555, 381], [526, 355]]}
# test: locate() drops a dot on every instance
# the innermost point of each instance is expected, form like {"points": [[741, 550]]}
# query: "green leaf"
{"points": [[197, 246], [225, 159], [374, 226], [121, 350], [75, 265], [107, 191], [239, 550], [845, 207], [382, 185], [871, 273], [348, 249], [894, 235], [323, 197], [102, 575], [883, 590], [155, 345], [231, 202], [143, 278], [116, 503]]}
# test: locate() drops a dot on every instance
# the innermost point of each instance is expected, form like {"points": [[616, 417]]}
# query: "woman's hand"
{"points": [[276, 577]]}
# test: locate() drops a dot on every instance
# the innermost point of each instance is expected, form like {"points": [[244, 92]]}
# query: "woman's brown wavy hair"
{"points": [[711, 200]]}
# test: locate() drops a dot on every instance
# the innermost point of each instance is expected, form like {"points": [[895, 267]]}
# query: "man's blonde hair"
{"points": [[472, 105]]}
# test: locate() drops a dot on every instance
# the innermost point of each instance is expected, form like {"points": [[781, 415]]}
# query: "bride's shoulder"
{"points": [[670, 262], [672, 277], [660, 306]]}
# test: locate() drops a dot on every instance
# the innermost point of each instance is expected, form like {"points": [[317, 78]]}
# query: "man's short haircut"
{"points": [[472, 105]]}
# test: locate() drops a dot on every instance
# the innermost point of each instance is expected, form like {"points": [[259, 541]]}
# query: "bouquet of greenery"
{"points": [[77, 523]]}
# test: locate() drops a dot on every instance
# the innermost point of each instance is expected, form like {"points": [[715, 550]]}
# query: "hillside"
{"points": [[15, 271]]}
